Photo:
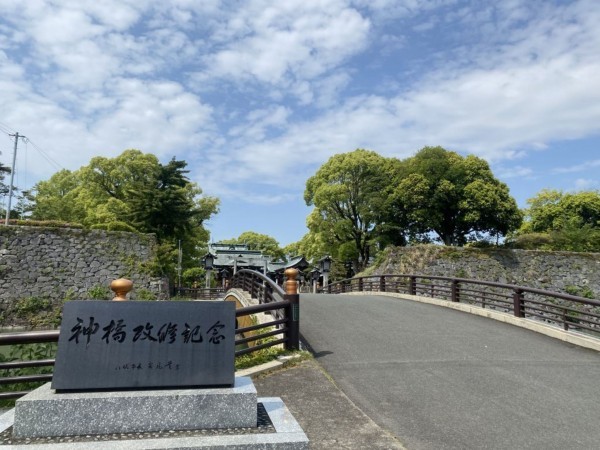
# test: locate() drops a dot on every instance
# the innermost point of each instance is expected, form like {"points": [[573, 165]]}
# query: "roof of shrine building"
{"points": [[240, 256]]}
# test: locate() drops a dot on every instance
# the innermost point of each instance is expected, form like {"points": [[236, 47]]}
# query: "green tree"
{"points": [[457, 198], [4, 189], [552, 210], [561, 221], [3, 172], [257, 241], [132, 192], [311, 246], [56, 198], [348, 193]]}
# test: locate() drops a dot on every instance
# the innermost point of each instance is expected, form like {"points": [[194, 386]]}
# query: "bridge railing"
{"points": [[568, 311], [200, 293], [282, 305]]}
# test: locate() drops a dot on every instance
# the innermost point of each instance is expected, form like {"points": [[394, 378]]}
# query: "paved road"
{"points": [[443, 379]]}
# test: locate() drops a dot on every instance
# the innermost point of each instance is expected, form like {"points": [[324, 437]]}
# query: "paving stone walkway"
{"points": [[327, 416]]}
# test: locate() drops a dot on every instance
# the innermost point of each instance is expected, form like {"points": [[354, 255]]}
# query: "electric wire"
{"points": [[45, 155], [10, 133], [6, 129]]}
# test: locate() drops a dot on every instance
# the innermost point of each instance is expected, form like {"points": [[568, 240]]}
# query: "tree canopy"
{"points": [[348, 193], [552, 210], [556, 220], [454, 197], [256, 241], [131, 192], [364, 201]]}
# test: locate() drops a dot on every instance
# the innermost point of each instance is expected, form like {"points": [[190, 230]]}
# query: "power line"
{"points": [[10, 133], [46, 156], [6, 129]]}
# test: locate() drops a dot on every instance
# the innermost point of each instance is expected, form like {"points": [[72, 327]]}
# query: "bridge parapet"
{"points": [[572, 313], [282, 305]]}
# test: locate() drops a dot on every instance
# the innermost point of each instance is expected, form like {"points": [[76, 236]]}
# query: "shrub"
{"points": [[531, 241], [98, 293], [114, 226]]}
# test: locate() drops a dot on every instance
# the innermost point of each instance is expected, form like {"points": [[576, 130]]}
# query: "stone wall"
{"points": [[60, 263], [568, 272]]}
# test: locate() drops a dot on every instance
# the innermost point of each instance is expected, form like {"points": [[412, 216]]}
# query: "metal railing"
{"points": [[569, 311], [272, 299]]}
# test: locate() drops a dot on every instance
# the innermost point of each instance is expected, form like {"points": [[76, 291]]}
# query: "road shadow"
{"points": [[321, 354], [305, 345]]}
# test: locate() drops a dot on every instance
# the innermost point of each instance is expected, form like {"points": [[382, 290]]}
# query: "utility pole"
{"points": [[12, 176]]}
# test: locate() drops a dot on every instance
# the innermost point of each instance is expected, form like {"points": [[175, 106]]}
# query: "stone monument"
{"points": [[140, 375]]}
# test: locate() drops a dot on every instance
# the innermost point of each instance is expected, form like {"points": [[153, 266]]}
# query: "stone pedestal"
{"points": [[44, 413]]}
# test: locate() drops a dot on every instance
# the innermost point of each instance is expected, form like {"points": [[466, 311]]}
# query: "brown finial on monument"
{"points": [[291, 285], [121, 287]]}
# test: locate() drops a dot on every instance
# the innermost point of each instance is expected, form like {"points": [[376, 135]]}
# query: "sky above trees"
{"points": [[257, 95]]}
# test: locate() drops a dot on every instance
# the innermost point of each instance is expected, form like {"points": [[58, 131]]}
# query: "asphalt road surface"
{"points": [[443, 379]]}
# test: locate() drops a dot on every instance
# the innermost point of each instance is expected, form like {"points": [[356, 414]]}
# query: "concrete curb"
{"points": [[548, 330], [266, 367]]}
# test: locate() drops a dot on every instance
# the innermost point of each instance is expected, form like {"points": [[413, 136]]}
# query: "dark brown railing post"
{"points": [[455, 291], [360, 285], [412, 286], [293, 310], [382, 283], [518, 303]]}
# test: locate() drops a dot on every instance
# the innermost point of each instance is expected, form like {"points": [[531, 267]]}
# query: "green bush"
{"points": [[531, 241], [144, 294], [258, 357], [98, 293], [28, 306], [45, 223], [114, 226], [584, 291]]}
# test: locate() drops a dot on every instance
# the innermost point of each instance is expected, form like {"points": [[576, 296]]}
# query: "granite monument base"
{"points": [[288, 435], [43, 412]]}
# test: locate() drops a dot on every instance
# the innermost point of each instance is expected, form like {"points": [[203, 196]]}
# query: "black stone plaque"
{"points": [[133, 345]]}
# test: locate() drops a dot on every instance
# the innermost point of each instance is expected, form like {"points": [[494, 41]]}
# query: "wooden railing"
{"points": [[200, 293], [569, 311], [283, 306], [31, 337]]}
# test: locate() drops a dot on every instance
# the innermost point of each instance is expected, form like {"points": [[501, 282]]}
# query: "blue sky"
{"points": [[255, 95]]}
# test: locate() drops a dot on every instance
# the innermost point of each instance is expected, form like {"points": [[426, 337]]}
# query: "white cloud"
{"points": [[284, 85], [578, 167], [514, 172], [583, 184], [280, 43]]}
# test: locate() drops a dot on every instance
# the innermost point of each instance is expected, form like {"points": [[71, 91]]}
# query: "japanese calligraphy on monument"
{"points": [[120, 345]]}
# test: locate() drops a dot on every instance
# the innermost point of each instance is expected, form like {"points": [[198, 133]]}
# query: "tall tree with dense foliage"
{"points": [[556, 220], [348, 193], [268, 245], [311, 246], [552, 210], [457, 198], [131, 192]]}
